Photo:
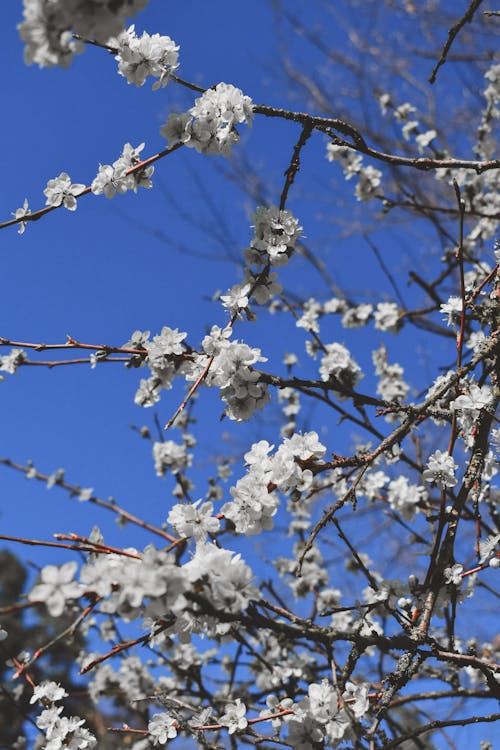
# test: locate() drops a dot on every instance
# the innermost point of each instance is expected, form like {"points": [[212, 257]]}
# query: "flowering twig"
{"points": [[79, 547], [69, 631], [143, 639]]}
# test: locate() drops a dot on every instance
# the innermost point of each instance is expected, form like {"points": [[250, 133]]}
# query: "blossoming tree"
{"points": [[323, 588]]}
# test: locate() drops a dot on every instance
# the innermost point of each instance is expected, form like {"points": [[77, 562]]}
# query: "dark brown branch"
{"points": [[452, 34]]}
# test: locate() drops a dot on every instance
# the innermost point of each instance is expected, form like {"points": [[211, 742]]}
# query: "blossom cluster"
{"points": [[338, 367], [386, 316], [276, 232], [60, 731], [117, 178], [47, 27], [321, 717], [368, 178], [162, 353], [273, 242], [232, 372], [11, 361], [210, 125], [254, 500], [151, 584], [410, 125], [147, 55], [391, 385]]}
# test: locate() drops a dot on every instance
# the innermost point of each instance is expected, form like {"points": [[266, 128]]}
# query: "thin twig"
{"points": [[452, 34]]}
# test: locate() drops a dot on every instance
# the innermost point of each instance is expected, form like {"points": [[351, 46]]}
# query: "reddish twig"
{"points": [[69, 631], [143, 639], [74, 490]]}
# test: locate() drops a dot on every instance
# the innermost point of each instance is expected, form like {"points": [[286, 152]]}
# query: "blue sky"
{"points": [[139, 261], [100, 274], [152, 259]]}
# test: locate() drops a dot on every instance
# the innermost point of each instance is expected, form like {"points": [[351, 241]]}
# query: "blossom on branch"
{"points": [[194, 520], [441, 470], [20, 213], [117, 178], [234, 718], [162, 728], [56, 587], [61, 190], [140, 57], [210, 125]]}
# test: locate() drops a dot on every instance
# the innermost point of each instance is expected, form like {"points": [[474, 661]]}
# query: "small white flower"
{"points": [[441, 470], [423, 139], [236, 299], [19, 213], [476, 399], [323, 701], [85, 494], [452, 309], [234, 718], [487, 547], [194, 520], [454, 575], [162, 728], [48, 691], [357, 696], [56, 587], [61, 190]]}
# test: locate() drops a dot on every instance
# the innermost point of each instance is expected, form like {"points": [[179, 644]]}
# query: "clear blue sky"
{"points": [[144, 261], [139, 261]]}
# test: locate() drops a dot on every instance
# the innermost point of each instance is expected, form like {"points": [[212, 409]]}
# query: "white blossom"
{"points": [[11, 361], [309, 319], [475, 399], [454, 574], [20, 213], [194, 520], [275, 236], [452, 309], [236, 299], [423, 139], [140, 57], [386, 317], [170, 456], [323, 701], [357, 698], [357, 316], [338, 365], [404, 497], [61, 190], [117, 178], [162, 728], [48, 691], [210, 125], [63, 731], [441, 470], [56, 587], [235, 717], [369, 179], [224, 577]]}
